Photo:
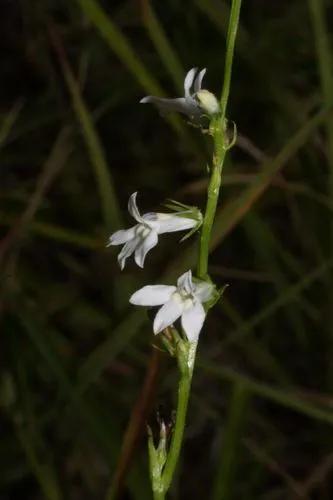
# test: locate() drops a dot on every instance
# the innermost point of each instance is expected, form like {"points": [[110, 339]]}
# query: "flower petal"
{"points": [[179, 104], [150, 220], [192, 321], [147, 244], [152, 295], [169, 223], [150, 216], [198, 80], [127, 250], [133, 208], [185, 282], [189, 81], [122, 236], [168, 314], [203, 291]]}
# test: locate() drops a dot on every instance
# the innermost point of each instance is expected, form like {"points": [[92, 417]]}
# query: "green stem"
{"points": [[212, 199], [231, 39], [182, 403], [159, 495], [219, 128]]}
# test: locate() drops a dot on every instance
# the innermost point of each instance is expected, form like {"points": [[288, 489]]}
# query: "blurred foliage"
{"points": [[77, 360]]}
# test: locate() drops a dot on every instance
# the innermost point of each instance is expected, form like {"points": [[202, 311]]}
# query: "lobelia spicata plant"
{"points": [[192, 296]]}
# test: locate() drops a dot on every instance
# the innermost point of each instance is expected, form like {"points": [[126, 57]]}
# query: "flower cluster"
{"points": [[186, 300]]}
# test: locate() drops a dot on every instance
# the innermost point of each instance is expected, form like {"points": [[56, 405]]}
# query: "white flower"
{"points": [[182, 301], [142, 237], [195, 102]]}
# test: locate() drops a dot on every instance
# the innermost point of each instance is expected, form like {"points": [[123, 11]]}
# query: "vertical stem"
{"points": [[159, 495], [182, 403], [212, 199], [231, 39], [218, 128]]}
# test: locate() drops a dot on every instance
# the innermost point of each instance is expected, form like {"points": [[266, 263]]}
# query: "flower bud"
{"points": [[208, 102]]}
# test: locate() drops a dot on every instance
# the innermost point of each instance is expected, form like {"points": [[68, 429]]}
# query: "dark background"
{"points": [[74, 144]]}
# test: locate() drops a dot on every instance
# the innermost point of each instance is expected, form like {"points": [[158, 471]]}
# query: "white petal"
{"points": [[168, 314], [152, 295], [150, 220], [122, 236], [179, 104], [198, 80], [189, 81], [127, 250], [147, 99], [185, 282], [192, 321], [203, 291], [147, 244], [169, 223], [150, 216], [133, 208]]}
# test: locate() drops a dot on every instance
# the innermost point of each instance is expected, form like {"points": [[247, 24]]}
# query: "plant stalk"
{"points": [[182, 404], [159, 495], [218, 129]]}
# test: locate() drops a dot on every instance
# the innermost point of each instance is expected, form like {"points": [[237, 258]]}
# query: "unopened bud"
{"points": [[208, 102]]}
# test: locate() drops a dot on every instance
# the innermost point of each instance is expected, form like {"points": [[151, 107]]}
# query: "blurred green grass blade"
{"points": [[39, 339], [55, 162], [123, 49], [325, 62], [163, 46], [228, 217], [102, 356], [226, 469], [106, 188], [57, 233], [259, 357], [262, 239], [120, 45], [44, 474], [28, 432], [290, 262], [288, 295], [230, 311], [219, 13], [281, 396], [256, 353], [9, 121]]}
